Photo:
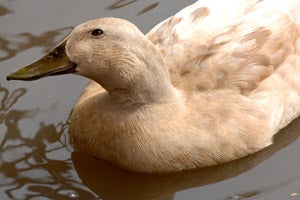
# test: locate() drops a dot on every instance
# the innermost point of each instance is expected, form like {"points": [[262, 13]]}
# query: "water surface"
{"points": [[36, 159]]}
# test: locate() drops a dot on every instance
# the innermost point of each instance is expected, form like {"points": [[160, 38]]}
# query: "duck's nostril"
{"points": [[53, 55]]}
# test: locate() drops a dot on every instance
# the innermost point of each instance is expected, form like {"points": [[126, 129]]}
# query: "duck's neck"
{"points": [[145, 90], [142, 94], [145, 81]]}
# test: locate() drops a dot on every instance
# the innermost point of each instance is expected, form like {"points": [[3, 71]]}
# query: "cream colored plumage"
{"points": [[209, 85]]}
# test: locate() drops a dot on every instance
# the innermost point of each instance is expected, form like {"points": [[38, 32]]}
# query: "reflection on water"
{"points": [[27, 170], [148, 8], [121, 3], [7, 100], [4, 10], [11, 45], [111, 182]]}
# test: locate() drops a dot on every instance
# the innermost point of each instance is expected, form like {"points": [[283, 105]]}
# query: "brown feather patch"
{"points": [[260, 35], [200, 13]]}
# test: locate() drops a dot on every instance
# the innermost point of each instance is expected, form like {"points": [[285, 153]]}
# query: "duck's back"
{"points": [[233, 44]]}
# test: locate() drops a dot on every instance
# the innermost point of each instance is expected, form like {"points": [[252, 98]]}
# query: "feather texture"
{"points": [[211, 84], [236, 45]]}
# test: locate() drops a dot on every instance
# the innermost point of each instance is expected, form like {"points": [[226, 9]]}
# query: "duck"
{"points": [[211, 84]]}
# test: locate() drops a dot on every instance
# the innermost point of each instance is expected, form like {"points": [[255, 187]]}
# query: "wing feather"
{"points": [[231, 44]]}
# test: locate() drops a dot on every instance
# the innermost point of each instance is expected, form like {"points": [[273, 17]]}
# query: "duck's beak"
{"points": [[54, 63]]}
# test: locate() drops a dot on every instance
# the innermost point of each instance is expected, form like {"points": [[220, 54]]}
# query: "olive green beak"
{"points": [[54, 63]]}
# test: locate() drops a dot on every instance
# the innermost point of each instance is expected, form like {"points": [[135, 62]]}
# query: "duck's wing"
{"points": [[233, 44]]}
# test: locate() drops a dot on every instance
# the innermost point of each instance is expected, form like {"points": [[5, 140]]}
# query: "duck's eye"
{"points": [[97, 32]]}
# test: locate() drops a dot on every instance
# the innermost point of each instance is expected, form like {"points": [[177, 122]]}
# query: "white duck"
{"points": [[209, 85]]}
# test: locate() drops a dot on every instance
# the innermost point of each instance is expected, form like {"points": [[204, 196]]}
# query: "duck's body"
{"points": [[211, 84]]}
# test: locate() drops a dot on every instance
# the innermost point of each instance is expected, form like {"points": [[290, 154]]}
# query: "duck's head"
{"points": [[110, 51]]}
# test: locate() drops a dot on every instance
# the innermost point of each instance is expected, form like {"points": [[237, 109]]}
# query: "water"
{"points": [[36, 159]]}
